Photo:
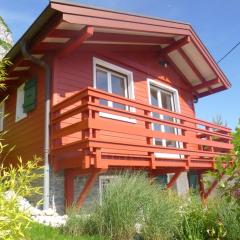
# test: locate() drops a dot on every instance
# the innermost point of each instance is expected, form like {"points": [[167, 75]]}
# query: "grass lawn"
{"points": [[41, 232]]}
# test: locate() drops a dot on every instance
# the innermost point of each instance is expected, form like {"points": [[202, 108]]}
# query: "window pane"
{"points": [[118, 85], [170, 143], [158, 142], [101, 80], [103, 102], [157, 127], [156, 115], [154, 99], [119, 105], [167, 101]]}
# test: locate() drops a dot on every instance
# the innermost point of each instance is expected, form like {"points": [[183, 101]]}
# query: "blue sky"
{"points": [[216, 22]]}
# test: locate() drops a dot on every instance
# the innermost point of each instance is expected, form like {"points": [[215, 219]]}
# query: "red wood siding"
{"points": [[27, 134], [75, 72]]}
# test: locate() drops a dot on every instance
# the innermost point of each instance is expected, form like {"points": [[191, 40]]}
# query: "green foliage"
{"points": [[18, 180], [41, 232], [196, 220], [4, 24], [7, 46], [161, 215], [229, 167], [132, 199], [3, 66], [129, 200]]}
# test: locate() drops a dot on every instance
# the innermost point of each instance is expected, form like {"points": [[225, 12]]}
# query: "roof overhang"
{"points": [[63, 25]]}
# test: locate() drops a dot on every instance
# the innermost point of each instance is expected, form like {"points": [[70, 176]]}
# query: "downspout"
{"points": [[47, 69]]}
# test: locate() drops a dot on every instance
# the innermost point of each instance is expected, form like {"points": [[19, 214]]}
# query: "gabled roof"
{"points": [[64, 23]]}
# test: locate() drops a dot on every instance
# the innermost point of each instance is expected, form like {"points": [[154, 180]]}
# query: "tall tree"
{"points": [[6, 41]]}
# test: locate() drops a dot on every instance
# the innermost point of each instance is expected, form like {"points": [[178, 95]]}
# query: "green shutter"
{"points": [[193, 180], [30, 95]]}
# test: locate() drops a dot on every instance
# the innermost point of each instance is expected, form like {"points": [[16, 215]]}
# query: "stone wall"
{"points": [[57, 189]]}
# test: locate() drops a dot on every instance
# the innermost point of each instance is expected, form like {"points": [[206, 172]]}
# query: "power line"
{"points": [[235, 46]]}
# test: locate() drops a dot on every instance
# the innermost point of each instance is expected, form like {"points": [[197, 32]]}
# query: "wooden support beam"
{"points": [[176, 69], [207, 84], [115, 38], [192, 66], [205, 194], [211, 188], [87, 187], [176, 45], [201, 186], [74, 43], [173, 179], [215, 90], [68, 187]]}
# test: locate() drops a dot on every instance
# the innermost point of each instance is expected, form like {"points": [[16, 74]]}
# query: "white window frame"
{"points": [[98, 63], [176, 103], [20, 114], [2, 115], [101, 179]]}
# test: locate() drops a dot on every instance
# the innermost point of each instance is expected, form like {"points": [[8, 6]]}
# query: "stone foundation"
{"points": [[57, 189]]}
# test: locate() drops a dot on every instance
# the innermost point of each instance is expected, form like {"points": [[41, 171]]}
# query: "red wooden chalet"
{"points": [[93, 91]]}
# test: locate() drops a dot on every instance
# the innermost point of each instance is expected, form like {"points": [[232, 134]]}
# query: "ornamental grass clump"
{"points": [[132, 207], [123, 206], [16, 182], [161, 215]]}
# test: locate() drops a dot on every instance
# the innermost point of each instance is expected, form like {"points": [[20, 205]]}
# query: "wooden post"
{"points": [[173, 179], [201, 186], [87, 187], [68, 188]]}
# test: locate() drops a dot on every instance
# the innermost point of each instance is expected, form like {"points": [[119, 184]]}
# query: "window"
{"points": [[111, 82], [192, 180], [113, 79], [165, 97], [2, 113], [20, 114], [117, 80]]}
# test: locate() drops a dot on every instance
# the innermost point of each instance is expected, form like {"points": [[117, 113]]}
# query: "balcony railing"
{"points": [[87, 132]]}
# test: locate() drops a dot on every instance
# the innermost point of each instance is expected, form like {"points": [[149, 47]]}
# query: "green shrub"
{"points": [[228, 216], [218, 219], [14, 222], [129, 200], [79, 223], [41, 232], [161, 216]]}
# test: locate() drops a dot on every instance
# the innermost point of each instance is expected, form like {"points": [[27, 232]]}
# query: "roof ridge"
{"points": [[74, 3]]}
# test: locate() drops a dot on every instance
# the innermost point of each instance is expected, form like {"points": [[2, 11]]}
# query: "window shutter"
{"points": [[193, 180], [30, 95]]}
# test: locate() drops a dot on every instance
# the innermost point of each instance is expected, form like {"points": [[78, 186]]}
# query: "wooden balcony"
{"points": [[87, 134]]}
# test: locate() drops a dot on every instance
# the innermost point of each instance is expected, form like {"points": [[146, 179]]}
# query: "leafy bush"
{"points": [[228, 217], [197, 218], [15, 182]]}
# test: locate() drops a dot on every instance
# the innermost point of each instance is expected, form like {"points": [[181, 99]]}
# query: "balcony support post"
{"points": [[205, 194], [68, 187], [88, 186], [201, 186], [173, 179]]}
